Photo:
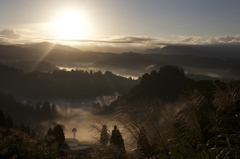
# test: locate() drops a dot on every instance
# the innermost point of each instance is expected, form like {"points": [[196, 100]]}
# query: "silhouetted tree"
{"points": [[117, 141], [59, 134], [46, 109], [50, 131], [104, 137], [54, 110], [74, 130]]}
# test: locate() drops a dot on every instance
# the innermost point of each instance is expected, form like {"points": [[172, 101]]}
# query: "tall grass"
{"points": [[206, 126]]}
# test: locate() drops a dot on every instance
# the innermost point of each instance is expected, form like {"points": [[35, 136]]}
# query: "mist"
{"points": [[78, 114]]}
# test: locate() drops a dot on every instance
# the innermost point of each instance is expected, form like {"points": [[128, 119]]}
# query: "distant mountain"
{"points": [[216, 51], [47, 45], [37, 52], [212, 60], [132, 60], [193, 64], [49, 52], [125, 60]]}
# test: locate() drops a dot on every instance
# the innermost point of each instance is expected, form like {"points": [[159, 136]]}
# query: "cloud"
{"points": [[3, 41], [117, 44], [9, 33], [227, 39], [211, 40], [134, 39], [114, 40], [206, 40], [12, 36], [189, 39]]}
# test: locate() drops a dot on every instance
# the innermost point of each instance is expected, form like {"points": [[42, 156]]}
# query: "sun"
{"points": [[70, 25]]}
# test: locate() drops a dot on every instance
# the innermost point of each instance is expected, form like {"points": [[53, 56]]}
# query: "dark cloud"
{"points": [[134, 39], [142, 43], [117, 40], [9, 33]]}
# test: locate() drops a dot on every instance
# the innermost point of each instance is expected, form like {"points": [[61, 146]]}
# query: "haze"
{"points": [[120, 25], [119, 78]]}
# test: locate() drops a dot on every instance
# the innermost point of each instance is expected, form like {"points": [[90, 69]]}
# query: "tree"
{"points": [[74, 130], [50, 131], [59, 134], [117, 141], [104, 137], [46, 110], [54, 110]]}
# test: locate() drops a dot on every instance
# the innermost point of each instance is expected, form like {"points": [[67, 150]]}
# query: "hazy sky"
{"points": [[144, 21]]}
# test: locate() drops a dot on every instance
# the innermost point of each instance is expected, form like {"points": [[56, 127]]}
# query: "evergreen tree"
{"points": [[50, 132], [54, 110], [59, 134], [117, 141], [104, 137], [46, 109]]}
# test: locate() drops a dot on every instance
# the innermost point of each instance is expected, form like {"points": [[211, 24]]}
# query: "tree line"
{"points": [[62, 84], [27, 113]]}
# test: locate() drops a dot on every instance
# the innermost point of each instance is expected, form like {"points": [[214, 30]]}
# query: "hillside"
{"points": [[216, 51], [213, 61], [62, 84], [166, 85]]}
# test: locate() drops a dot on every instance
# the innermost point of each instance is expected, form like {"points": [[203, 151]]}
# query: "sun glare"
{"points": [[70, 25]]}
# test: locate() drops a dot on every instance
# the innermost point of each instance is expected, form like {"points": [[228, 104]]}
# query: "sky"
{"points": [[120, 23]]}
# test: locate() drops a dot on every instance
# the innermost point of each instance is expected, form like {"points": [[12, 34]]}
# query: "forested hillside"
{"points": [[168, 85], [62, 84]]}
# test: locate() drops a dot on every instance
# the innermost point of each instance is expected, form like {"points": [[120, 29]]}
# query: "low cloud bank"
{"points": [[118, 44]]}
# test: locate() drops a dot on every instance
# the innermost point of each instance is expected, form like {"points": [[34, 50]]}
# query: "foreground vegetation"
{"points": [[195, 123], [200, 125], [17, 144]]}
